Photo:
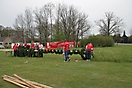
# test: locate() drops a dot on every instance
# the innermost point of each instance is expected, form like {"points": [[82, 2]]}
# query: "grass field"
{"points": [[111, 68]]}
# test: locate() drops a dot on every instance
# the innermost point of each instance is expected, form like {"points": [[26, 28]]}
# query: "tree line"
{"points": [[58, 23]]}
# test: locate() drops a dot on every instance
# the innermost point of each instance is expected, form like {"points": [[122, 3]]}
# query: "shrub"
{"points": [[83, 42], [98, 41]]}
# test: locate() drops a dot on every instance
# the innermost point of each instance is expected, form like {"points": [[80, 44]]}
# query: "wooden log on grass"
{"points": [[12, 79], [18, 82], [23, 83], [14, 82], [38, 84], [32, 83], [23, 80]]}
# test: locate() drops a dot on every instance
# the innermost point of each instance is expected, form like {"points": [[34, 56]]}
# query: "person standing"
{"points": [[32, 45], [89, 48], [15, 47], [66, 51]]}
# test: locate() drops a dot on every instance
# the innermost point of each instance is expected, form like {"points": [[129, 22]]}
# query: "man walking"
{"points": [[66, 51]]}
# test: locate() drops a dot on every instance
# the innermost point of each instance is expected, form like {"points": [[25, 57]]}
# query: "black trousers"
{"points": [[15, 53]]}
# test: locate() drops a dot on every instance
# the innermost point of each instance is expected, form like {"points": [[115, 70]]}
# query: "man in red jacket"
{"points": [[89, 48], [66, 51], [15, 47]]}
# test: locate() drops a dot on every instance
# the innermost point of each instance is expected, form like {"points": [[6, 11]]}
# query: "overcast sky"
{"points": [[95, 9]]}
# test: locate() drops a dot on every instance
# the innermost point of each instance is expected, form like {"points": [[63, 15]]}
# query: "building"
{"points": [[6, 41]]}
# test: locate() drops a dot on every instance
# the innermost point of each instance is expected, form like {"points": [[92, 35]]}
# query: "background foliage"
{"points": [[98, 41]]}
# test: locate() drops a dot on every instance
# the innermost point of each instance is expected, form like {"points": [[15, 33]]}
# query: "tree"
{"points": [[5, 32], [110, 25], [50, 7], [24, 26], [29, 26], [19, 27], [68, 23], [1, 29], [42, 23], [83, 26], [8, 32], [71, 22], [58, 26]]}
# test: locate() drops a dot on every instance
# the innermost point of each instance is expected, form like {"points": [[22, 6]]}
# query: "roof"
{"points": [[2, 39]]}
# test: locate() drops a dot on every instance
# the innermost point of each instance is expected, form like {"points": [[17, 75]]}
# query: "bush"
{"points": [[83, 42], [98, 41]]}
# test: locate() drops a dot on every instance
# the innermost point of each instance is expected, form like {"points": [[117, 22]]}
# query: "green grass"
{"points": [[121, 53], [102, 72]]}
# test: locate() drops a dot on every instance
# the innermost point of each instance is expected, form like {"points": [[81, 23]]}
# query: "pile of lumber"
{"points": [[23, 83]]}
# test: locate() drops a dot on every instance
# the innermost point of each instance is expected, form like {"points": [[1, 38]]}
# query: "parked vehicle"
{"points": [[2, 47]]}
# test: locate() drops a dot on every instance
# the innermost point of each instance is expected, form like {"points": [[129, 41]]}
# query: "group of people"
{"points": [[89, 51], [27, 49]]}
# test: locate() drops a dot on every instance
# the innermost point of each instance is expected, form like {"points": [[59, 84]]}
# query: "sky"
{"points": [[95, 9]]}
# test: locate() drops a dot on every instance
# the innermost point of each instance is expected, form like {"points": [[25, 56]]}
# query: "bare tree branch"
{"points": [[110, 25]]}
